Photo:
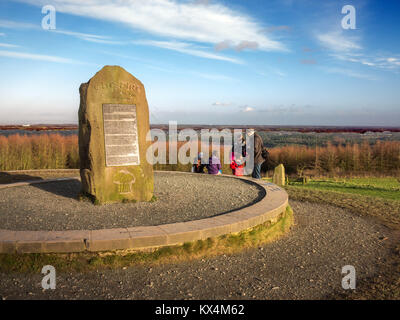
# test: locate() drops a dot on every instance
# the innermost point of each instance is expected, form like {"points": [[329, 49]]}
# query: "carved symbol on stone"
{"points": [[124, 179]]}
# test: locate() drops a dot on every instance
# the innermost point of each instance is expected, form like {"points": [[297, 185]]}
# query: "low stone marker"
{"points": [[113, 124], [279, 175]]}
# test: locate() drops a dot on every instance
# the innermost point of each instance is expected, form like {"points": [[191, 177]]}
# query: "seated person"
{"points": [[214, 165], [198, 164]]}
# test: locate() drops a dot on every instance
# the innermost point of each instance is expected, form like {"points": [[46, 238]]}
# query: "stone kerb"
{"points": [[269, 208]]}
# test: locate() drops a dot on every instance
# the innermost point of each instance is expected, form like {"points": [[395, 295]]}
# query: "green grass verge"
{"points": [[385, 188], [376, 197], [387, 211], [81, 262]]}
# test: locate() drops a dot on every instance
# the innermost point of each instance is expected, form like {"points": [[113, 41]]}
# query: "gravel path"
{"points": [[180, 197], [305, 264]]}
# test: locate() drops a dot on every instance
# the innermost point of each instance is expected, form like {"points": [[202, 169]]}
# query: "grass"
{"points": [[375, 197], [56, 151], [385, 210], [376, 204], [378, 198], [82, 262], [384, 188], [45, 151]]}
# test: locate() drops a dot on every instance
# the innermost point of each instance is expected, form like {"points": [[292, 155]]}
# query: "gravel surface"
{"points": [[180, 197], [305, 264]]}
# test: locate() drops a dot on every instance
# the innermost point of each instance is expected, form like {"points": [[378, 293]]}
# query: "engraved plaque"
{"points": [[120, 135]]}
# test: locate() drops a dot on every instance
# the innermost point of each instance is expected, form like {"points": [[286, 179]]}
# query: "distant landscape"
{"points": [[305, 151], [318, 129]]}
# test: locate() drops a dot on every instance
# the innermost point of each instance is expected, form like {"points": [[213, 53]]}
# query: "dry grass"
{"points": [[52, 151], [350, 159], [45, 151]]}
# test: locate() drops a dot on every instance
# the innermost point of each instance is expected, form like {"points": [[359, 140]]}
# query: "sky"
{"points": [[250, 62]]}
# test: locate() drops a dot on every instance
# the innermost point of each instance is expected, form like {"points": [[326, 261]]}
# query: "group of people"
{"points": [[237, 158], [213, 166]]}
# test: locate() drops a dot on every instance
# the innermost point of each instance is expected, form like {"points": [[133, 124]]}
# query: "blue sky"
{"points": [[275, 62]]}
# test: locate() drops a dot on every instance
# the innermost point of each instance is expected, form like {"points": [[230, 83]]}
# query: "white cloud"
{"points": [[2, 34], [186, 48], [348, 72], [88, 37], [247, 45], [79, 34], [338, 42], [279, 73], [8, 45], [281, 109], [243, 45], [17, 25], [371, 60], [353, 57], [184, 20], [367, 63], [222, 104], [82, 36], [223, 45], [103, 41], [32, 56], [348, 49], [270, 71], [393, 61], [247, 109]]}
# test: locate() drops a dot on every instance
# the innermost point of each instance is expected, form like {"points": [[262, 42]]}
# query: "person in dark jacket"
{"points": [[258, 149], [199, 165], [214, 165]]}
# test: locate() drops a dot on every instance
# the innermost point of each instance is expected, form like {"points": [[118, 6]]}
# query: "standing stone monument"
{"points": [[279, 175], [113, 124]]}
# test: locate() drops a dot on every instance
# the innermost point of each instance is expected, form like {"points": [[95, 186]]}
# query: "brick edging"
{"points": [[269, 208]]}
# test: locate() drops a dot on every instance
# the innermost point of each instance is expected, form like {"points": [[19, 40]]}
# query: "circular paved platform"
{"points": [[181, 197], [270, 203]]}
